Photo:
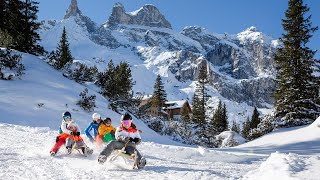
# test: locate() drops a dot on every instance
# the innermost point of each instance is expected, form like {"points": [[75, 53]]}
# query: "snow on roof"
{"points": [[146, 97], [164, 112], [175, 104]]}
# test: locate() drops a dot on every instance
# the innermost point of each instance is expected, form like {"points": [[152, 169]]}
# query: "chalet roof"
{"points": [[146, 97], [175, 104], [164, 112]]}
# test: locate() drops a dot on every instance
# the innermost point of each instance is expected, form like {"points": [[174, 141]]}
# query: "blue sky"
{"points": [[231, 16]]}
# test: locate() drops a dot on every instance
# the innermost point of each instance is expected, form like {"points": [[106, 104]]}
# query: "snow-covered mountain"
{"points": [[240, 66], [31, 107]]}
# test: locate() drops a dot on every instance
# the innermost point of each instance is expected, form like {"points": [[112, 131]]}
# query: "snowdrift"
{"points": [[301, 140]]}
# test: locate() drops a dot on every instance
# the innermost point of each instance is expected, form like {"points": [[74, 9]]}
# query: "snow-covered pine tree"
{"points": [[225, 117], [198, 115], [235, 127], [297, 88], [19, 19], [63, 53], [10, 61], [106, 81], [5, 39], [124, 81], [255, 120], [84, 74], [245, 128], [3, 14], [199, 108], [13, 21], [88, 103], [219, 121], [253, 124], [185, 131], [200, 97], [29, 34], [159, 96]]}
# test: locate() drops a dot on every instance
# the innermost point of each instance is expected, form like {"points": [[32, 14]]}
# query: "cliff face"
{"points": [[148, 15]]}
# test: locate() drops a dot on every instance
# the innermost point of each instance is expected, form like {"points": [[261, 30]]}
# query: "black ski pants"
{"points": [[118, 145]]}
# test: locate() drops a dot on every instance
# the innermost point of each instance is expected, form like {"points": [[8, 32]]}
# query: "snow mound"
{"points": [[287, 140], [316, 123], [230, 138], [278, 166]]}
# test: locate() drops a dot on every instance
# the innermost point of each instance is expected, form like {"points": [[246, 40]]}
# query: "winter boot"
{"points": [[89, 151], [102, 159], [141, 163], [52, 153], [69, 150], [84, 151]]}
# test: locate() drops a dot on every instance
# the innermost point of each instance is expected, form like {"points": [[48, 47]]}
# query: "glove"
{"points": [[112, 133], [75, 133], [137, 140], [123, 139]]}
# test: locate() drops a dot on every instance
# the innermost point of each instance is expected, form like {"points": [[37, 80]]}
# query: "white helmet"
{"points": [[96, 116]]}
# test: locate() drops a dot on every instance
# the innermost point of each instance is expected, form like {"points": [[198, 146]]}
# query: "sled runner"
{"points": [[84, 150], [128, 159]]}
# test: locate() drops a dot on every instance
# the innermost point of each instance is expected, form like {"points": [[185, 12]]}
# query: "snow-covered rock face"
{"points": [[73, 9], [206, 39], [84, 21], [240, 66], [148, 15], [246, 57]]}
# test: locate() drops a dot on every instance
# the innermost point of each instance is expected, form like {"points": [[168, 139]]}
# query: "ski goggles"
{"points": [[66, 117], [126, 122]]}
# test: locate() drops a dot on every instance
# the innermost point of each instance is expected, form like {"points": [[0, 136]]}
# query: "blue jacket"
{"points": [[92, 126]]}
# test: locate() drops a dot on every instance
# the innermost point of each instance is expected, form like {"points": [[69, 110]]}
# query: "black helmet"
{"points": [[107, 120], [126, 116], [65, 114]]}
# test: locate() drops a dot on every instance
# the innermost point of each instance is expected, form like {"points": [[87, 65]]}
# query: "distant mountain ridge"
{"points": [[148, 15], [240, 66]]}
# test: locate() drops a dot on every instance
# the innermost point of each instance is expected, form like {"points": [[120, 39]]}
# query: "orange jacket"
{"points": [[103, 129], [65, 136]]}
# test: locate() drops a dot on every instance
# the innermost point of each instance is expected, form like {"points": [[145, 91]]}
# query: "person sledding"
{"points": [[67, 132], [127, 137], [92, 130], [64, 133], [106, 132], [75, 141]]}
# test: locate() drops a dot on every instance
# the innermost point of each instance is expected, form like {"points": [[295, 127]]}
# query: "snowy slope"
{"points": [[21, 159], [57, 93]]}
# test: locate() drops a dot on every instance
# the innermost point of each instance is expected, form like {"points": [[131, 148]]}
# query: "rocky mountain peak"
{"points": [[252, 35], [252, 29], [73, 9], [148, 15]]}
